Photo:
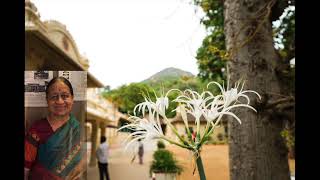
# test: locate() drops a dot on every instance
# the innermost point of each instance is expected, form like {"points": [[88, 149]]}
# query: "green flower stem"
{"points": [[214, 124], [175, 143], [205, 134], [174, 130], [200, 168], [198, 130], [188, 132]]}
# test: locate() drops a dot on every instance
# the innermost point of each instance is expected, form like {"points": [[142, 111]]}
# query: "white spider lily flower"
{"points": [[162, 105], [155, 108], [153, 111], [183, 113], [152, 130], [146, 104], [215, 106], [194, 104], [227, 110], [211, 114], [211, 107], [232, 95], [162, 102], [239, 105], [143, 129]]}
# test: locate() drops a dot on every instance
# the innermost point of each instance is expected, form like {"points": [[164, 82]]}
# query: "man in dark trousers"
{"points": [[102, 155]]}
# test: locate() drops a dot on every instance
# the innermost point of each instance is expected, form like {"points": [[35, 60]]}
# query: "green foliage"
{"points": [[210, 57], [164, 162], [128, 96], [284, 38], [123, 122], [212, 54], [284, 34], [161, 145], [289, 138]]}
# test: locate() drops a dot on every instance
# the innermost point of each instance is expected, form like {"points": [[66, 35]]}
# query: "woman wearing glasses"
{"points": [[52, 144]]}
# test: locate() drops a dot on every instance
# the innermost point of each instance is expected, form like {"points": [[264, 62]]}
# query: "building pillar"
{"points": [[94, 143], [103, 130]]}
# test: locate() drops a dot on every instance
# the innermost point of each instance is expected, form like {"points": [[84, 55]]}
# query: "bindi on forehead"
{"points": [[59, 87]]}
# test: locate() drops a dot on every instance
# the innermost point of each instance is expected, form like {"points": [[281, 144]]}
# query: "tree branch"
{"points": [[279, 101]]}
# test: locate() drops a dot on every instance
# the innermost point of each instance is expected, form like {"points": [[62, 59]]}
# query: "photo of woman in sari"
{"points": [[52, 144]]}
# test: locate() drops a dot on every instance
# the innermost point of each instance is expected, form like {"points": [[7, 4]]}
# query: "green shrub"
{"points": [[161, 145], [164, 162]]}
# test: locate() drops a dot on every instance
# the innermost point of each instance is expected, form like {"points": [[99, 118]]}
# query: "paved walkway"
{"points": [[121, 168]]}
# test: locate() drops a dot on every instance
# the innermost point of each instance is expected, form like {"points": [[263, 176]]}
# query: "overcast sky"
{"points": [[130, 40]]}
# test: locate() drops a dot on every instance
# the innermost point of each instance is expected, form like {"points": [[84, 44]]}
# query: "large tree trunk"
{"points": [[256, 149]]}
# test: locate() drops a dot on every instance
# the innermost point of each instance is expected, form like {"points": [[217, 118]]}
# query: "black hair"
{"points": [[62, 79], [103, 139]]}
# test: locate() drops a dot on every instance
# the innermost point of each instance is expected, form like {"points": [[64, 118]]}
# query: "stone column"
{"points": [[94, 143], [103, 129]]}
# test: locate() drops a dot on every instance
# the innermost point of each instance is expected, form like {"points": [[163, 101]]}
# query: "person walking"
{"points": [[140, 152], [102, 154]]}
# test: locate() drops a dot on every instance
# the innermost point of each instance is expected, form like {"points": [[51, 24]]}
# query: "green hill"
{"points": [[168, 74]]}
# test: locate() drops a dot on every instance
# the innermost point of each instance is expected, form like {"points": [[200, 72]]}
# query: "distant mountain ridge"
{"points": [[170, 73]]}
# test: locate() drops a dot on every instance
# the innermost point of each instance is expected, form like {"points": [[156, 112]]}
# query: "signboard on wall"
{"points": [[78, 80], [36, 81]]}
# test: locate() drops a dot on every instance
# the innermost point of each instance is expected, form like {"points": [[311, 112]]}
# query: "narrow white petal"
{"points": [[220, 87], [132, 141], [245, 96], [252, 92], [239, 105], [232, 114]]}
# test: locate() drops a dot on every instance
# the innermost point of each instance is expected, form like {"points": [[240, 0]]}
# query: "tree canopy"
{"points": [[212, 56], [127, 97]]}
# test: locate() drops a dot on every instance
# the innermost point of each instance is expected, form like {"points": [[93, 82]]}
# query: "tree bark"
{"points": [[256, 149]]}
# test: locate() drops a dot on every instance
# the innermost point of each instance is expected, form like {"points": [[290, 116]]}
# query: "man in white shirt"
{"points": [[102, 155]]}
